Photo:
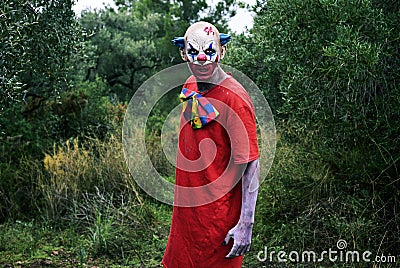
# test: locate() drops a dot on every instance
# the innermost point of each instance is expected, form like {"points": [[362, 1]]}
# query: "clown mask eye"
{"points": [[210, 52], [192, 51]]}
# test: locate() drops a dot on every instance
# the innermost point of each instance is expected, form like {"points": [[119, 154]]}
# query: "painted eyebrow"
{"points": [[191, 47], [210, 48]]}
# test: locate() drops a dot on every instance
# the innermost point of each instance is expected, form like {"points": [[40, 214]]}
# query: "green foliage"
{"points": [[329, 70], [126, 48], [75, 169], [38, 38], [103, 233], [21, 155], [304, 205], [334, 67], [133, 238], [304, 196], [88, 111], [16, 195], [30, 244]]}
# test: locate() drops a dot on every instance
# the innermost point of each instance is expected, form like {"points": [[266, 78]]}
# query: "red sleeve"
{"points": [[242, 131]]}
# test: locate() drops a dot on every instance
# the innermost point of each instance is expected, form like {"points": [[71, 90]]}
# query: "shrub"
{"points": [[75, 169], [332, 65], [302, 205], [330, 72]]}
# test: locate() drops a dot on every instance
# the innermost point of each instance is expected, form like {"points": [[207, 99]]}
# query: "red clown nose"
{"points": [[202, 57]]}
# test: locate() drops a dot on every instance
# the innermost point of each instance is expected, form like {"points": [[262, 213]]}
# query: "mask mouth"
{"points": [[203, 72], [202, 63], [203, 68]]}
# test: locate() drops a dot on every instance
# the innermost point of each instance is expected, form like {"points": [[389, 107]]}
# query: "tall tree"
{"points": [[126, 48], [38, 40]]}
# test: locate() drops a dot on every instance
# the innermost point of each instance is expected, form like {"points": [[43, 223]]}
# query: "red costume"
{"points": [[197, 232]]}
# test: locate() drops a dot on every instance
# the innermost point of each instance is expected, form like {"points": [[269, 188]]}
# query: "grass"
{"points": [[33, 244]]}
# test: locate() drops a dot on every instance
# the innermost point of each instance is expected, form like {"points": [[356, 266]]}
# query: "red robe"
{"points": [[202, 217]]}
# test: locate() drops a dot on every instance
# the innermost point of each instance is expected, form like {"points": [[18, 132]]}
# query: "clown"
{"points": [[218, 171], [203, 47]]}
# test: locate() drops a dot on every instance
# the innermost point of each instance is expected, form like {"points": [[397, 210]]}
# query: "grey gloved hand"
{"points": [[242, 231]]}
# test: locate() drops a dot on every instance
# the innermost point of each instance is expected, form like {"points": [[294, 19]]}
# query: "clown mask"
{"points": [[202, 47]]}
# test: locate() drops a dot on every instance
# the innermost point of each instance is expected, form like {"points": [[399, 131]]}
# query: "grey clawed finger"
{"points": [[241, 250], [232, 253], [248, 248]]}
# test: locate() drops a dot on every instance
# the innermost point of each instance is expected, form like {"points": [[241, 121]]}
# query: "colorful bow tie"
{"points": [[197, 108]]}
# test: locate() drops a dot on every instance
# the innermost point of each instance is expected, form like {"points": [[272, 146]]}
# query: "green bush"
{"points": [[330, 71], [303, 205], [331, 66]]}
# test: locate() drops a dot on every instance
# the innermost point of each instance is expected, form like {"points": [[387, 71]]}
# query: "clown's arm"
{"points": [[242, 232]]}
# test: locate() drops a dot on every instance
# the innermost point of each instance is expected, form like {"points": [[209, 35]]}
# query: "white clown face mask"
{"points": [[202, 44], [202, 47]]}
